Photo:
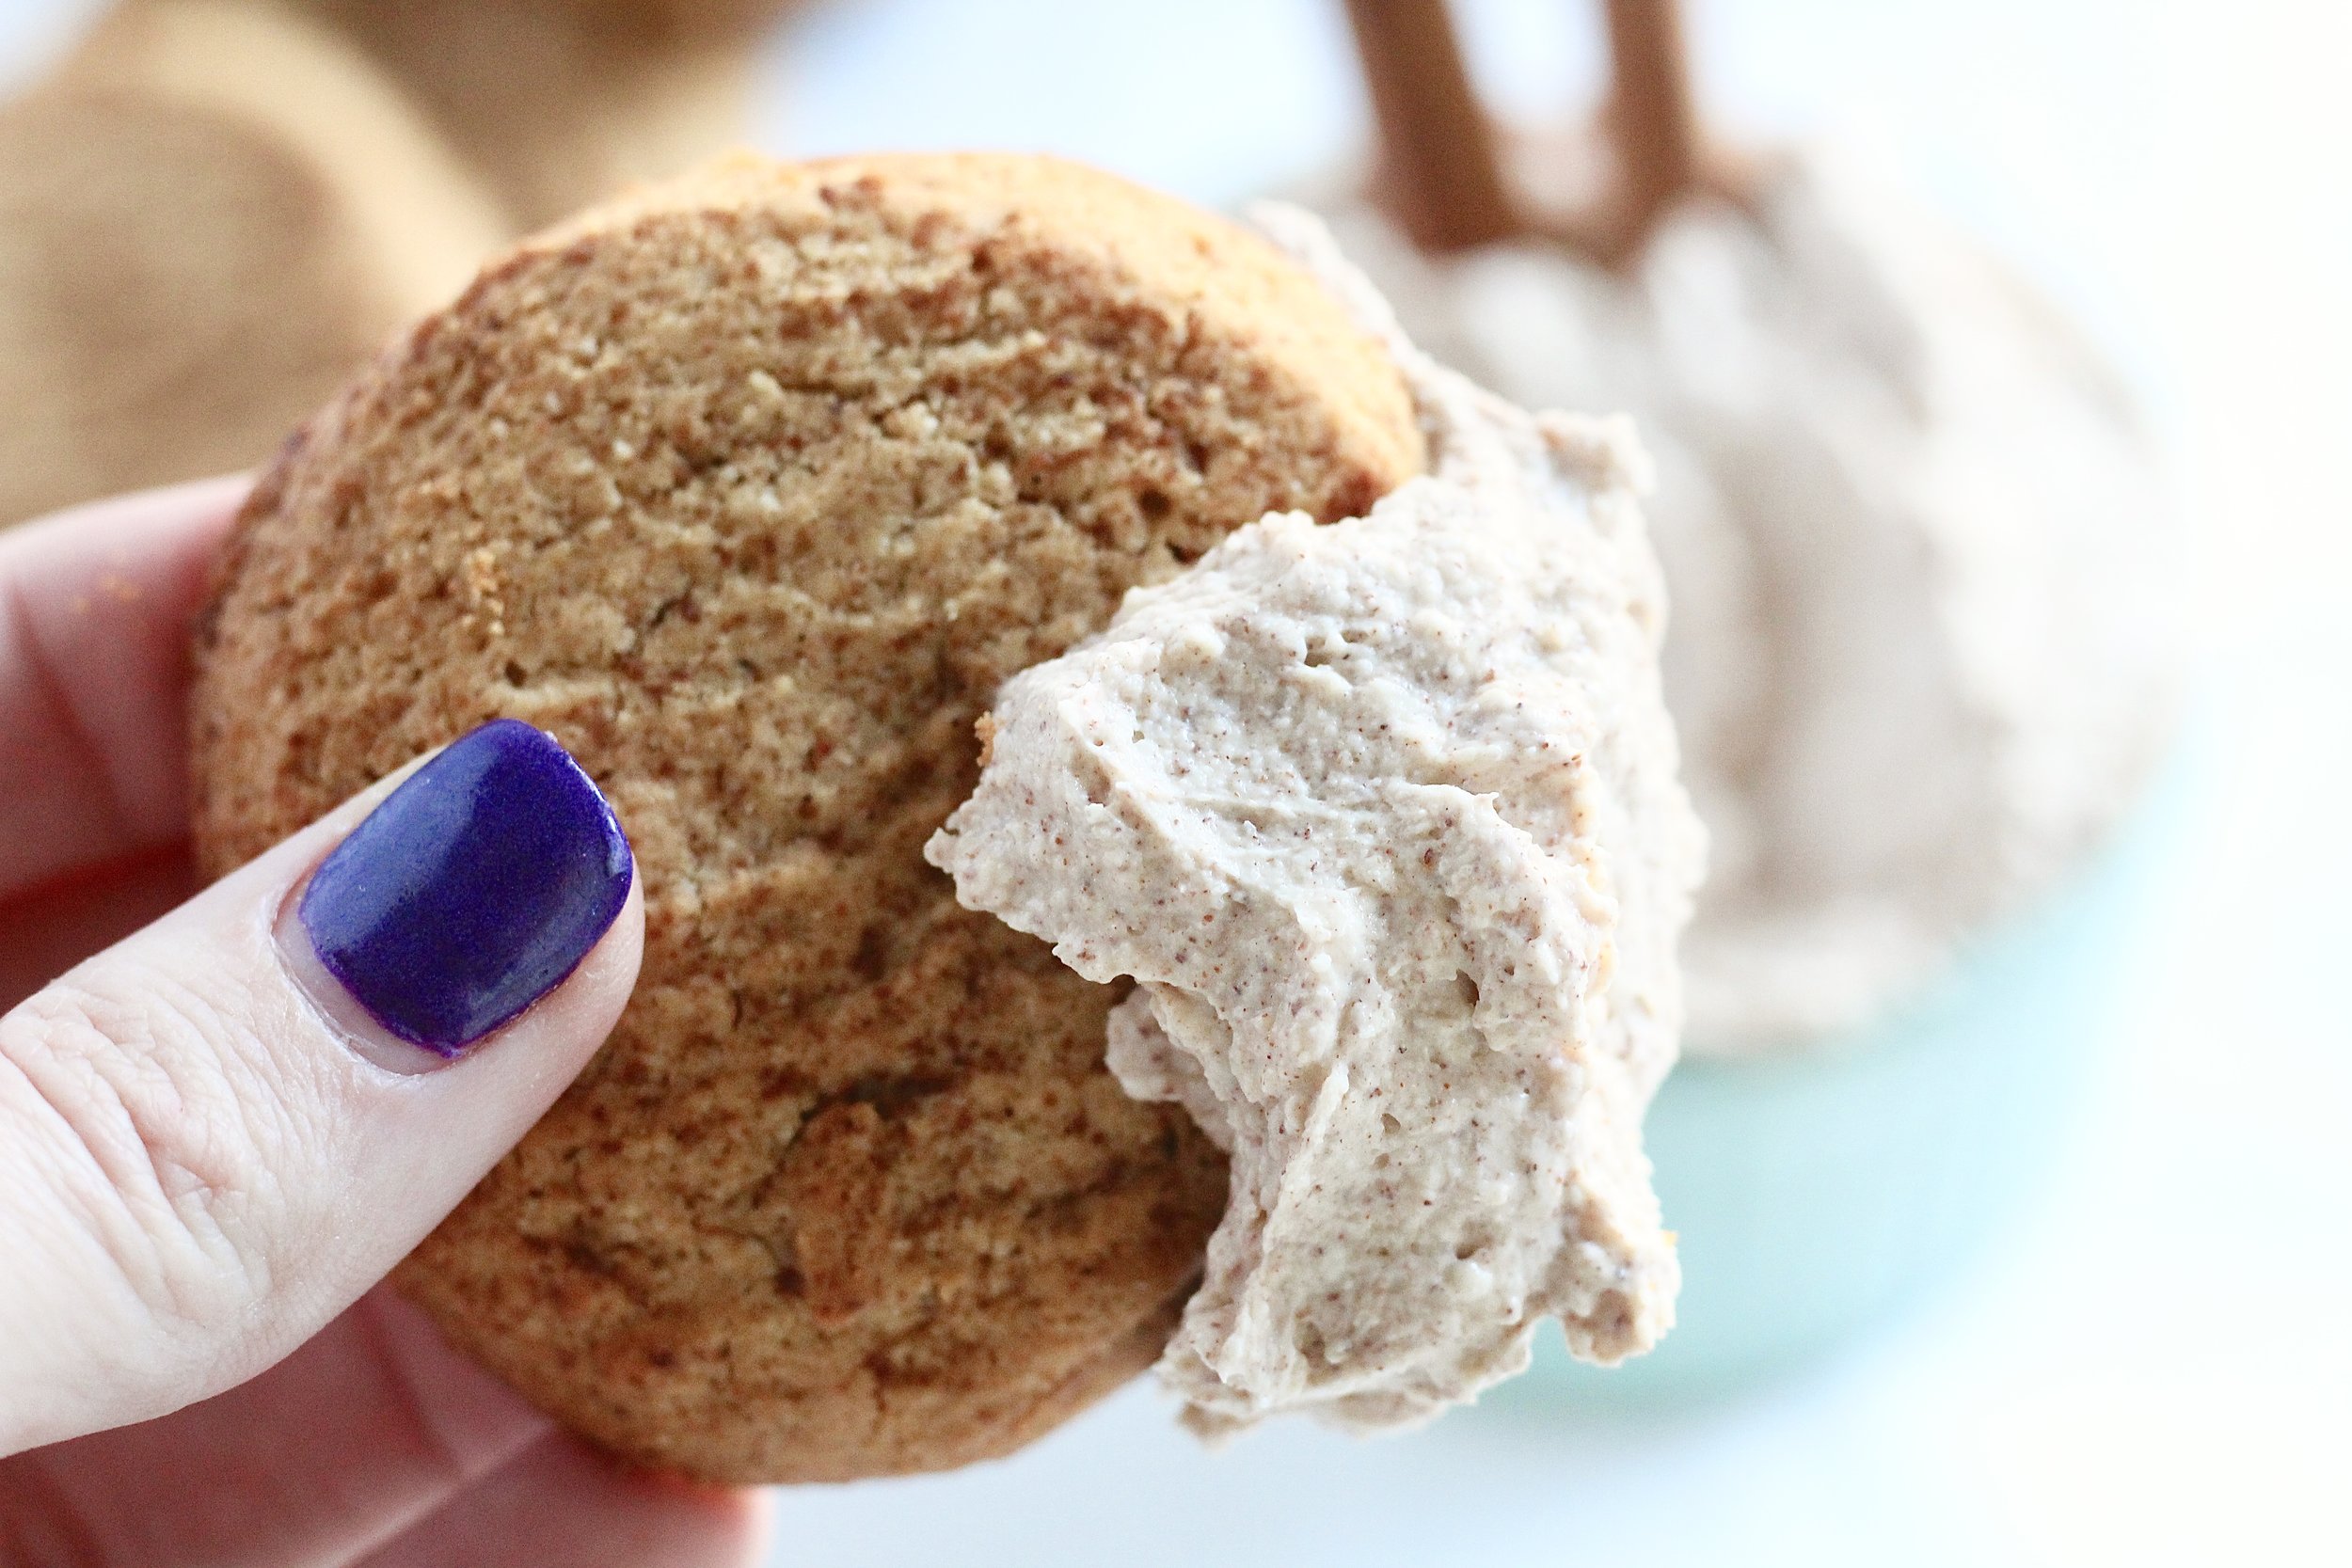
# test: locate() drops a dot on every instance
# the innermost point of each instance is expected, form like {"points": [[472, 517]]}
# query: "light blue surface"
{"points": [[1817, 1195]]}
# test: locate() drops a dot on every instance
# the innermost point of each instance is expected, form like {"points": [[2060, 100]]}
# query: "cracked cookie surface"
{"points": [[751, 489]]}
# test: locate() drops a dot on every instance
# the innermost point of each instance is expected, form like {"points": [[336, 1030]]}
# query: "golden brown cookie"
{"points": [[752, 489]]}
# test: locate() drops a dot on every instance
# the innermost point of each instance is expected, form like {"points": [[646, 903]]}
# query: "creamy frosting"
{"points": [[1923, 647], [1383, 819]]}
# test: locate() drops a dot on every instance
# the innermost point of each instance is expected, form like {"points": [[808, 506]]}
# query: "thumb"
{"points": [[218, 1132]]}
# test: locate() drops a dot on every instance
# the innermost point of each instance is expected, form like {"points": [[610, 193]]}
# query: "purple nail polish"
{"points": [[472, 890]]}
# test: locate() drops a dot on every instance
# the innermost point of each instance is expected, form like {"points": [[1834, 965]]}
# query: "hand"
{"points": [[219, 1133]]}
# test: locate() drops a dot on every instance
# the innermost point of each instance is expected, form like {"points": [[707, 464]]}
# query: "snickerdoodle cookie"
{"points": [[752, 489]]}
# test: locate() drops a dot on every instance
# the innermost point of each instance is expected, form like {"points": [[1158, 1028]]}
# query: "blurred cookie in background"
{"points": [[212, 211], [558, 103], [208, 215]]}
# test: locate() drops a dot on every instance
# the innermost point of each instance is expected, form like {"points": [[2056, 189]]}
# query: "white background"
{"points": [[2157, 1366]]}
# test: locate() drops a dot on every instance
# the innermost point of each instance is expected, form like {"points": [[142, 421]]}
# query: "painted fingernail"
{"points": [[471, 891]]}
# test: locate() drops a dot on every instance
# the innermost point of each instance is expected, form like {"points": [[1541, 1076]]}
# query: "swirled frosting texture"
{"points": [[1383, 818]]}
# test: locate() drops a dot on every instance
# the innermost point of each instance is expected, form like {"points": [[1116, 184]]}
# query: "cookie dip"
{"points": [[1382, 817], [1922, 651]]}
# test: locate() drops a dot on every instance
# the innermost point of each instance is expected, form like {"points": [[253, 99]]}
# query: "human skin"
{"points": [[207, 1161]]}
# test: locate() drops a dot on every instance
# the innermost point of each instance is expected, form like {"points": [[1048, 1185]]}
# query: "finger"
{"points": [[95, 607], [47, 929], [214, 1134], [366, 1430], [560, 1505]]}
